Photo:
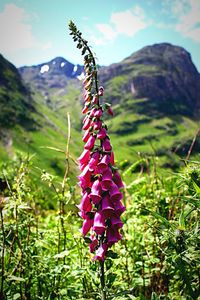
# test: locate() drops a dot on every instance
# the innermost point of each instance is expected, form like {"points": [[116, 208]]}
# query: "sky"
{"points": [[36, 31]]}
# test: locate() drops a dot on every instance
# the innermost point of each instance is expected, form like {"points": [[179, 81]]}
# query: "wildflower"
{"points": [[101, 205], [110, 111], [101, 91]]}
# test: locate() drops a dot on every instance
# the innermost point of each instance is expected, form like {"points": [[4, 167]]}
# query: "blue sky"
{"points": [[35, 31]]}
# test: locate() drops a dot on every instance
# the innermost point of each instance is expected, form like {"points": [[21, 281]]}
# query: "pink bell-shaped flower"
{"points": [[98, 113], [87, 224], [92, 112], [117, 179], [87, 123], [102, 134], [97, 124], [107, 208], [85, 178], [84, 157], [110, 111], [101, 91], [106, 145], [99, 223], [116, 222], [85, 204], [95, 194], [93, 244], [82, 166], [90, 143], [119, 208], [86, 136], [106, 179], [95, 99], [85, 110], [94, 161], [113, 236], [101, 252], [115, 194], [112, 159], [103, 164], [87, 97]]}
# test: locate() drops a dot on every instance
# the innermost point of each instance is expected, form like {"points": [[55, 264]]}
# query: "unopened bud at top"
{"points": [[101, 91]]}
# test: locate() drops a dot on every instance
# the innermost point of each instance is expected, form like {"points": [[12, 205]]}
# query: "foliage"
{"points": [[15, 99], [43, 255]]}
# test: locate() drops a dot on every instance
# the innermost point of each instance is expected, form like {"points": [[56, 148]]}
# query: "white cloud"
{"points": [[189, 22], [107, 31], [126, 23], [186, 17], [15, 31]]}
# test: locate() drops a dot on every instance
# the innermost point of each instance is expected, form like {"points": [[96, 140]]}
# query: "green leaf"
{"points": [[156, 215], [62, 254], [112, 254], [182, 220], [84, 50], [196, 187], [132, 297], [15, 278], [53, 148]]}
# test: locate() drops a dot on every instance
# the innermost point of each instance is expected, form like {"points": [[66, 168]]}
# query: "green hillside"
{"points": [[139, 129]]}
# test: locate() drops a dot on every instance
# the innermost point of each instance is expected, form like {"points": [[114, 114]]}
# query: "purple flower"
{"points": [[94, 243], [90, 143], [103, 164], [87, 123], [84, 158], [107, 208], [85, 178], [94, 161], [86, 136], [85, 204], [87, 224], [117, 179], [101, 252], [106, 179], [102, 134], [101, 91], [115, 194], [95, 194], [97, 124], [116, 222], [99, 225], [119, 208], [98, 113], [113, 236], [101, 206], [95, 99], [106, 145]]}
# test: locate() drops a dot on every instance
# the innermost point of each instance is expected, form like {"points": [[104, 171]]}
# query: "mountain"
{"points": [[16, 103], [52, 74], [162, 74], [155, 97]]}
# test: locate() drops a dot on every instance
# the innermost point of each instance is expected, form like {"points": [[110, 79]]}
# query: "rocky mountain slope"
{"points": [[162, 74], [52, 74], [155, 96], [16, 103]]}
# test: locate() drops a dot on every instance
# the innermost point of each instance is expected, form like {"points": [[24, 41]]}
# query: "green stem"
{"points": [[102, 280]]}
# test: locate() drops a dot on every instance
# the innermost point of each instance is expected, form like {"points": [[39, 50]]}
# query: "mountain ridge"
{"points": [[141, 122], [162, 73], [16, 102]]}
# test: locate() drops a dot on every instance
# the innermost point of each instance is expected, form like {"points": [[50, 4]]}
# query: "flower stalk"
{"points": [[100, 181]]}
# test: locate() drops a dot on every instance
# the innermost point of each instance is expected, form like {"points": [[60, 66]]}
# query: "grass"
{"points": [[133, 134]]}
